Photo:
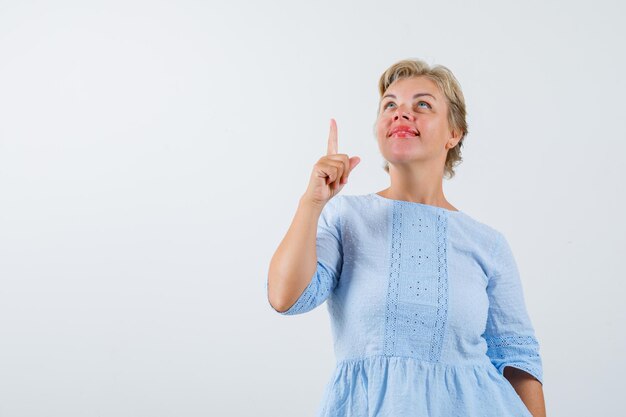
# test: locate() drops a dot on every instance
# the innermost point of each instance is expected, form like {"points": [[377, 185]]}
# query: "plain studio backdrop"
{"points": [[152, 154]]}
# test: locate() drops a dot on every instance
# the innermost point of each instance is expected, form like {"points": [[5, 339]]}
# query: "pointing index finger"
{"points": [[332, 139]]}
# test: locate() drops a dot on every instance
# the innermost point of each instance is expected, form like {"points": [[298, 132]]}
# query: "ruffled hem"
{"points": [[384, 386]]}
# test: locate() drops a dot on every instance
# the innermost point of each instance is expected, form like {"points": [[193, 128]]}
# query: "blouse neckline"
{"points": [[380, 197]]}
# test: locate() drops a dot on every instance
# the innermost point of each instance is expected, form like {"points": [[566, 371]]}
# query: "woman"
{"points": [[426, 303]]}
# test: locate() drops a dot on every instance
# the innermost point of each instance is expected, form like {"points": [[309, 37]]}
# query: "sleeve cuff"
{"points": [[318, 290], [521, 352], [535, 372]]}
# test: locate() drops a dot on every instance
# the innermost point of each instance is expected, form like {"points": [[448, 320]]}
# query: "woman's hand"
{"points": [[331, 172]]}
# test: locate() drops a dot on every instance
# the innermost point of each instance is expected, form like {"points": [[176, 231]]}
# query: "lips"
{"points": [[403, 132]]}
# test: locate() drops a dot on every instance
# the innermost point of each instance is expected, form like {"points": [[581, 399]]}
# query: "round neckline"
{"points": [[412, 202]]}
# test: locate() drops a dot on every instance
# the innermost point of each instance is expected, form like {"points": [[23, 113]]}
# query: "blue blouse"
{"points": [[426, 308]]}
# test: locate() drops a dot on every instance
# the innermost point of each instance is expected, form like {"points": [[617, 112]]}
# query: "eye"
{"points": [[428, 106]]}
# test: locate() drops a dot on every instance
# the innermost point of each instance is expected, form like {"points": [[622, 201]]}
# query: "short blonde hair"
{"points": [[449, 86]]}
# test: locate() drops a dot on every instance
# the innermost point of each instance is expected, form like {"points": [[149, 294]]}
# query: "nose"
{"points": [[402, 113]]}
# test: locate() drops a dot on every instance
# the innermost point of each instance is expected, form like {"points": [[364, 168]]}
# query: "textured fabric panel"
{"points": [[442, 288], [391, 315], [417, 294]]}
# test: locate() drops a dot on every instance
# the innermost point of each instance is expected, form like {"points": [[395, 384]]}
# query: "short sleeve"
{"points": [[329, 261], [509, 332]]}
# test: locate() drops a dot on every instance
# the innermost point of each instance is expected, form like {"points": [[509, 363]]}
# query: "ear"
{"points": [[453, 140]]}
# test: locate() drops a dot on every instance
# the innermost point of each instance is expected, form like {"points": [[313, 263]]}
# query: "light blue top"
{"points": [[426, 309]]}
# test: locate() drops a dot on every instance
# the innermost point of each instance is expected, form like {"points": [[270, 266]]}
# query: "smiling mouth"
{"points": [[403, 134]]}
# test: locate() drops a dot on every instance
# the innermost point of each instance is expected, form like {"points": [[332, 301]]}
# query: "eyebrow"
{"points": [[414, 97]]}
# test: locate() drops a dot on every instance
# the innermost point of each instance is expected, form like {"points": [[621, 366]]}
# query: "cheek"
{"points": [[430, 128], [436, 124], [381, 128]]}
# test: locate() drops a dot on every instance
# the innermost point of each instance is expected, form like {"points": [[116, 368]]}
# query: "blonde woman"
{"points": [[426, 303]]}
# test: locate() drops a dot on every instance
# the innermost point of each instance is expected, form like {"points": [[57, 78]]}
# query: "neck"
{"points": [[424, 186]]}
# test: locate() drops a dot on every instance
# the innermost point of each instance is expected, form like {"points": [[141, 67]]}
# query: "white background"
{"points": [[152, 154]]}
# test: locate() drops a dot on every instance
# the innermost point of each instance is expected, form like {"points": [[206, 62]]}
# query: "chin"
{"points": [[406, 159]]}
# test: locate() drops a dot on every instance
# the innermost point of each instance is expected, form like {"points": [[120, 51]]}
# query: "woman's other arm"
{"points": [[528, 388], [512, 344]]}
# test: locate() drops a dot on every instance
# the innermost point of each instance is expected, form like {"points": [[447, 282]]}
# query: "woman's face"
{"points": [[412, 122]]}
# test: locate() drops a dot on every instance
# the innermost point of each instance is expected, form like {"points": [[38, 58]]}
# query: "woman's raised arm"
{"points": [[295, 261]]}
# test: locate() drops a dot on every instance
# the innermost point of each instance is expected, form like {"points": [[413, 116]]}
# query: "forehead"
{"points": [[410, 86]]}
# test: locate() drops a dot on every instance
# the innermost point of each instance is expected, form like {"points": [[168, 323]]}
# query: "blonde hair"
{"points": [[449, 86]]}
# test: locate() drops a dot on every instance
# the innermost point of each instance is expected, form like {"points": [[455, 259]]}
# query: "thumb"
{"points": [[354, 161]]}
